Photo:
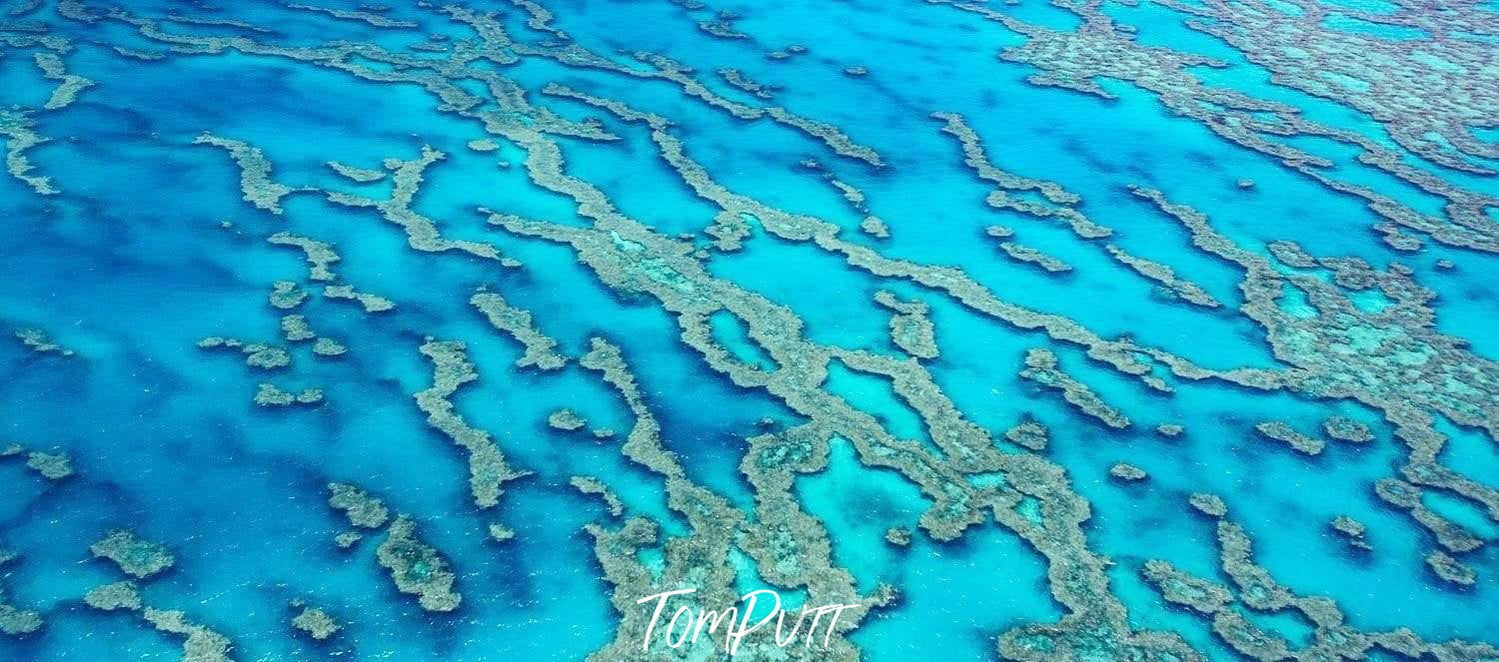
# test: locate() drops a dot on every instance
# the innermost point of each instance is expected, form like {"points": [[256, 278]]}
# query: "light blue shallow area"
{"points": [[151, 249]]}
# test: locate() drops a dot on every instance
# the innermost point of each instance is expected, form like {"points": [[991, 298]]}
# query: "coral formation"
{"points": [[592, 485], [1352, 530], [40, 342], [910, 328], [363, 510], [1041, 367], [52, 466], [135, 556], [417, 568], [488, 469], [1283, 432], [566, 420], [119, 595], [1127, 472], [316, 623], [541, 350], [1365, 334], [270, 395]]}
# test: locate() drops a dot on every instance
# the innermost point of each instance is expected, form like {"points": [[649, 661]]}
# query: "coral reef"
{"points": [[316, 623], [1127, 472], [1284, 433], [1253, 587], [200, 644], [135, 556], [488, 469], [40, 342], [257, 355], [417, 568], [566, 420], [1347, 429], [898, 536], [320, 256], [1365, 336], [68, 85], [255, 172], [1029, 434], [14, 621], [325, 346], [370, 302], [52, 466], [16, 126], [910, 328], [1029, 255], [1353, 531], [363, 510], [1042, 368], [541, 350], [359, 175], [109, 597], [1166, 276], [270, 395], [592, 485]]}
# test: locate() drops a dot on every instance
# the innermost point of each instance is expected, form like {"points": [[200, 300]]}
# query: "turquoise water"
{"points": [[771, 423]]}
